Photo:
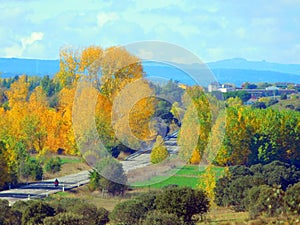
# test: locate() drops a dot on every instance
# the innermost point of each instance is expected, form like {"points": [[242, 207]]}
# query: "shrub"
{"points": [[232, 189], [292, 199], [279, 173], [159, 218], [148, 200], [94, 177], [7, 215], [21, 205], [290, 106], [36, 211], [128, 213], [65, 219], [4, 206], [184, 202], [251, 200], [91, 214], [53, 165], [272, 102], [159, 152], [32, 168], [102, 216], [283, 96], [259, 105], [112, 176], [270, 200]]}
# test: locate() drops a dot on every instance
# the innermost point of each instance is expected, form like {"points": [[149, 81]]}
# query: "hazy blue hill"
{"points": [[14, 66], [239, 76], [230, 70], [227, 71], [243, 64]]}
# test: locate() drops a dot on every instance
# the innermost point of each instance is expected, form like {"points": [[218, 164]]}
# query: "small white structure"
{"points": [[272, 88]]}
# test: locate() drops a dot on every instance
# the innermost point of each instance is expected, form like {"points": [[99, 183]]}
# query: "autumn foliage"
{"points": [[38, 113], [159, 151]]}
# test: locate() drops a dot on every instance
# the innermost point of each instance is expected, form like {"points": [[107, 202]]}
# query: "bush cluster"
{"points": [[172, 206], [269, 189], [61, 212], [53, 165], [32, 168], [175, 205]]}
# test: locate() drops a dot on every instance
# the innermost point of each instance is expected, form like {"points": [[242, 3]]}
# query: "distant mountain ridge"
{"points": [[10, 67], [243, 64], [235, 70]]}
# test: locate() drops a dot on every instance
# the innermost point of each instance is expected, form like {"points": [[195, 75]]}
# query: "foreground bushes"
{"points": [[260, 189], [53, 165], [178, 205], [172, 206], [60, 212]]}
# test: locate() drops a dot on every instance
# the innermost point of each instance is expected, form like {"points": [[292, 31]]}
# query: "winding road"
{"points": [[44, 188]]}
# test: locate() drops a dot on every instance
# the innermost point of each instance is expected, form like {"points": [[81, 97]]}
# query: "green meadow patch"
{"points": [[188, 175]]}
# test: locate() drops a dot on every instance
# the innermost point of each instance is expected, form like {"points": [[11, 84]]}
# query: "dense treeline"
{"points": [[172, 206], [258, 136], [271, 189], [36, 113], [36, 116], [236, 134], [64, 211]]}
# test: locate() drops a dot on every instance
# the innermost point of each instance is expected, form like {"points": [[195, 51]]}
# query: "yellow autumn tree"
{"points": [[4, 170], [196, 125], [36, 121], [132, 112], [66, 135], [207, 183], [159, 152], [118, 68], [18, 111]]}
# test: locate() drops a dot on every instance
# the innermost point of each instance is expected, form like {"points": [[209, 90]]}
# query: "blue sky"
{"points": [[213, 30]]}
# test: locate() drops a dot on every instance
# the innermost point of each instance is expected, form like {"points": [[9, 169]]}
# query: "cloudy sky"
{"points": [[213, 30]]}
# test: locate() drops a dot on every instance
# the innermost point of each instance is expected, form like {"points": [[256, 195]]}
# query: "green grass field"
{"points": [[65, 160], [186, 176]]}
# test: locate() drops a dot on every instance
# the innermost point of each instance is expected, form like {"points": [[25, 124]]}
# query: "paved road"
{"points": [[44, 188], [141, 158]]}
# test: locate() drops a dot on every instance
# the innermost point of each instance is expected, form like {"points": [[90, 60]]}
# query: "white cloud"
{"points": [[103, 18], [17, 49], [34, 36]]}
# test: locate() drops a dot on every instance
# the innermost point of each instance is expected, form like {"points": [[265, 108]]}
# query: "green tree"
{"points": [[36, 212], [292, 200], [66, 218], [53, 165], [94, 177], [32, 168], [129, 212], [184, 202], [4, 173], [113, 178], [208, 183], [243, 95], [8, 215], [196, 124], [259, 105], [159, 152], [159, 218]]}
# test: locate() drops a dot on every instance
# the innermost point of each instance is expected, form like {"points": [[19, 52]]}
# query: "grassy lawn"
{"points": [[70, 165], [188, 175], [70, 159], [282, 104], [96, 198]]}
